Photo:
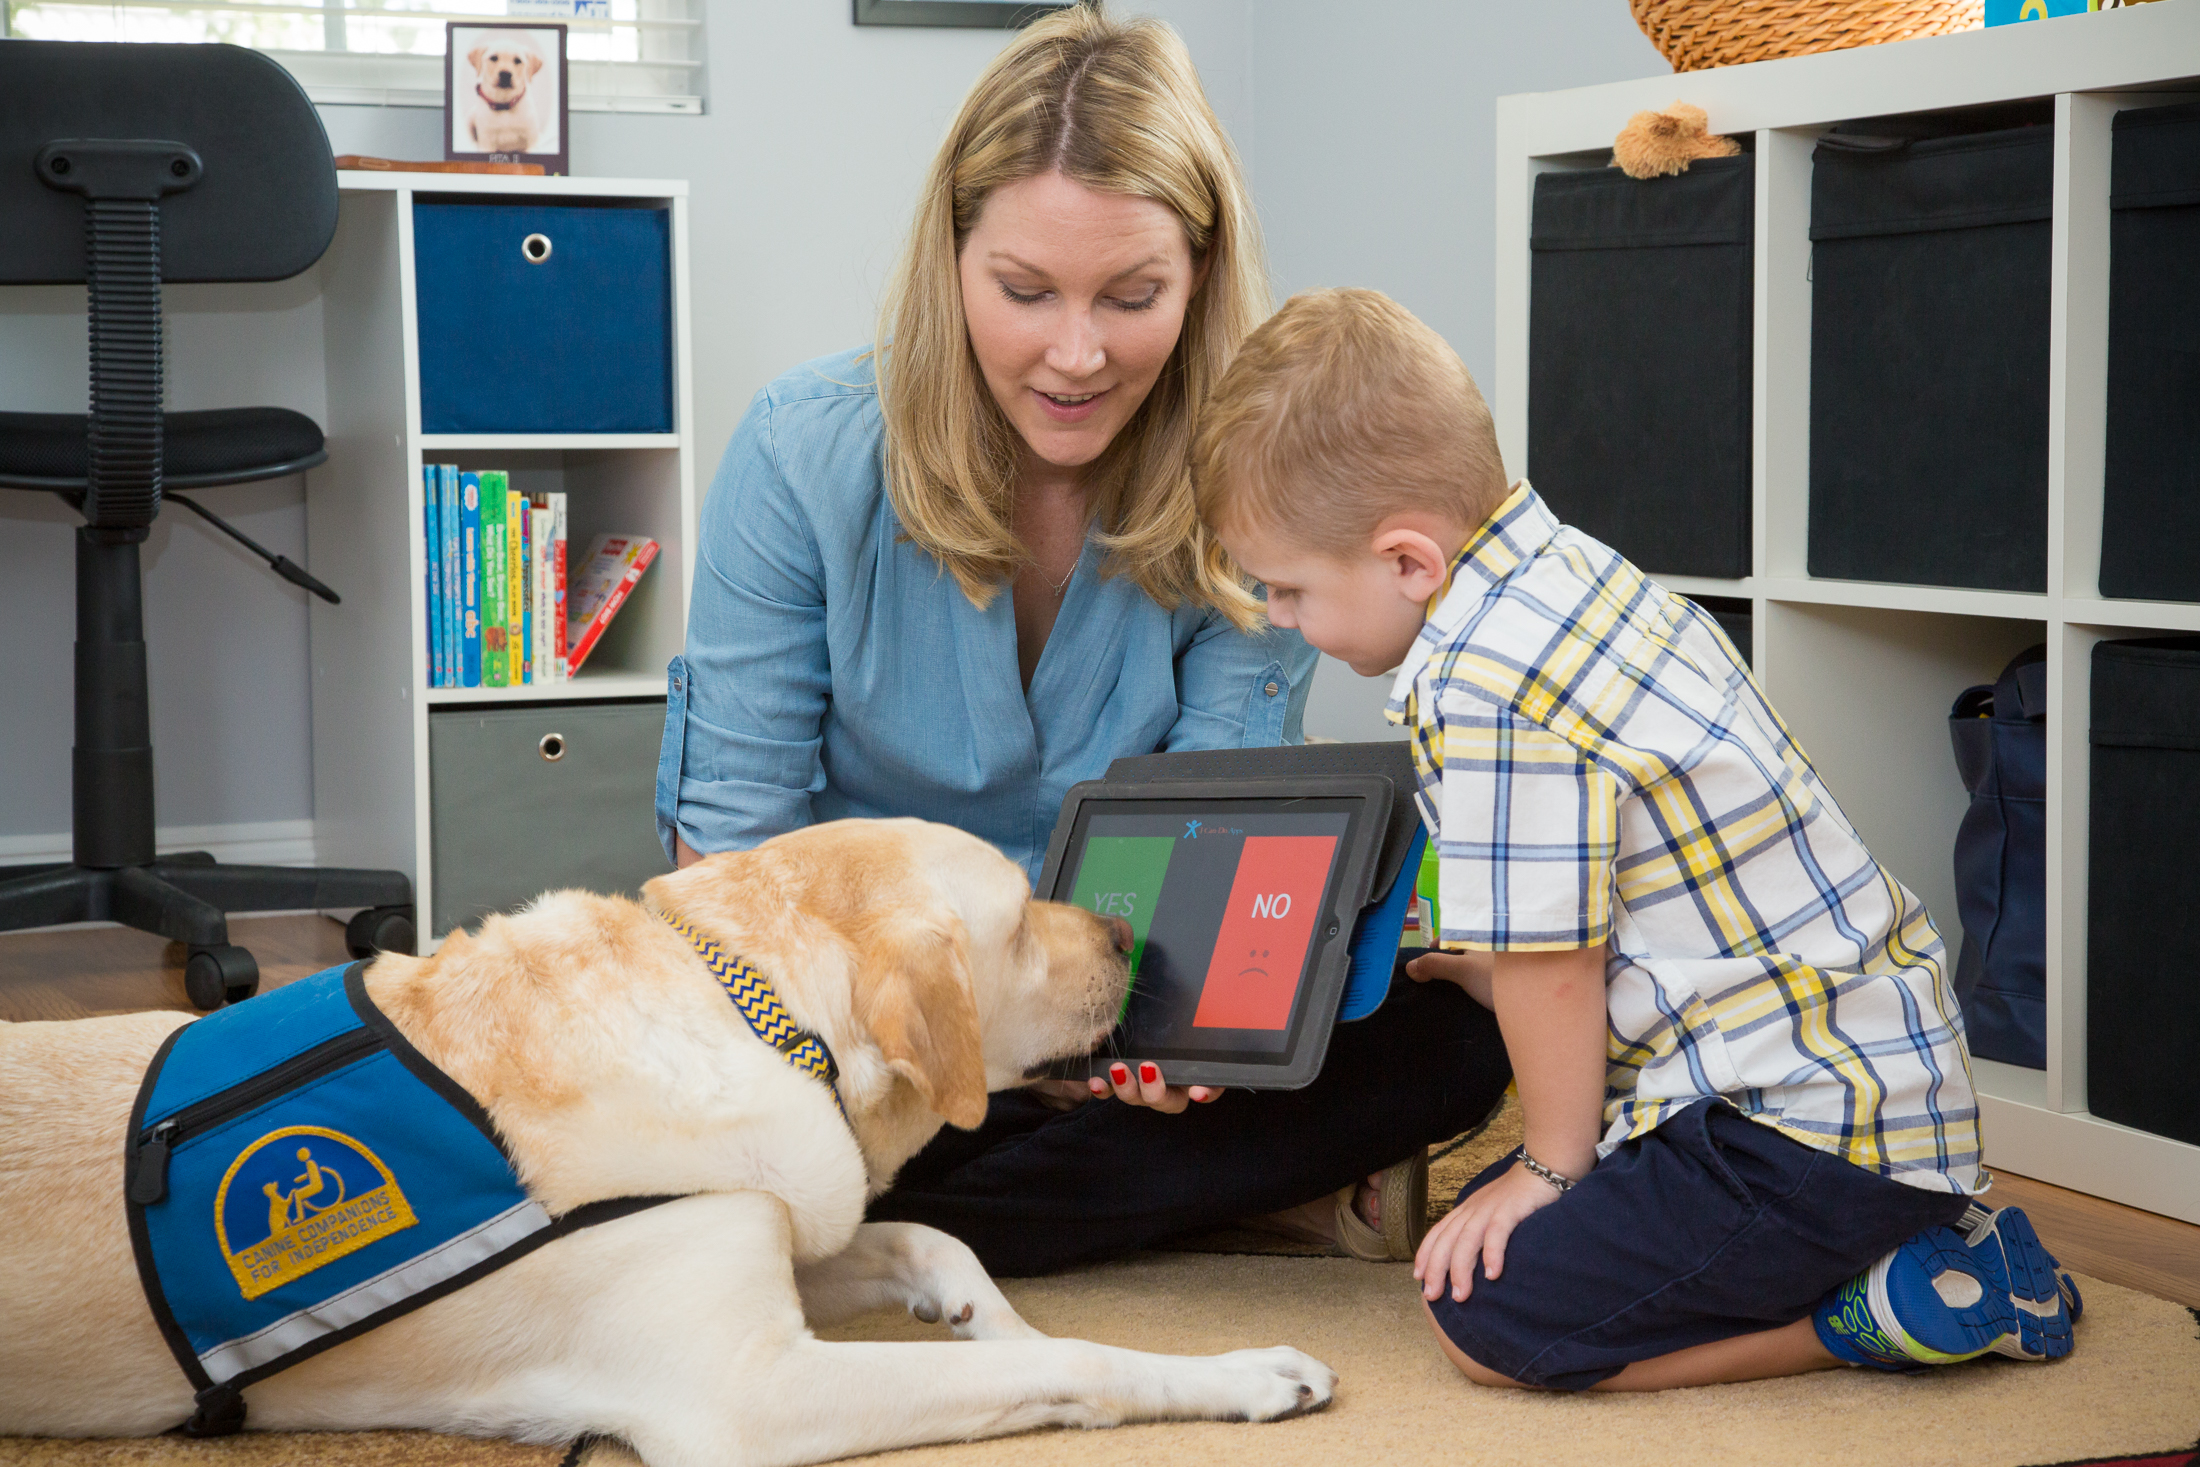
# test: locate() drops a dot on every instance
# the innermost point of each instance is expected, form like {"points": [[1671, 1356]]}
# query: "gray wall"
{"points": [[1367, 130], [1376, 125]]}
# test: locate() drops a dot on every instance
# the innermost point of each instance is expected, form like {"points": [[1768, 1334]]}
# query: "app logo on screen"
{"points": [[1275, 898]]}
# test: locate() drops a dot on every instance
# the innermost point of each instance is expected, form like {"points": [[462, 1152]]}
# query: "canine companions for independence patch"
{"points": [[344, 1199], [299, 1173]]}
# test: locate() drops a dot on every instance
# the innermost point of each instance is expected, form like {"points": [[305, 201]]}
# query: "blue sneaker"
{"points": [[1951, 1294], [2047, 1301]]}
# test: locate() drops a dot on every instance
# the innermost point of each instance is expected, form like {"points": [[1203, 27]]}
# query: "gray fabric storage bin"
{"points": [[508, 822]]}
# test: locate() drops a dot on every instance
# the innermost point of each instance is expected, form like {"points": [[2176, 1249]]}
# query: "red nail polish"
{"points": [[1120, 1074], [1149, 1073]]}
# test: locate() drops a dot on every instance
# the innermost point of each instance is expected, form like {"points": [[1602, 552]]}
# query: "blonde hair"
{"points": [[1342, 409], [1118, 107]]}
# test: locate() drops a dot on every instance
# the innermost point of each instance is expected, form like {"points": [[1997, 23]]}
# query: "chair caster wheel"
{"points": [[381, 930], [213, 976]]}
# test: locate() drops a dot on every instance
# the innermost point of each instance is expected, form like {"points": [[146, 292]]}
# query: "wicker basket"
{"points": [[1698, 34]]}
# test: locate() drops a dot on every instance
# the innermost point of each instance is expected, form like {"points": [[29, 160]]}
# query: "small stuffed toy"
{"points": [[1667, 142]]}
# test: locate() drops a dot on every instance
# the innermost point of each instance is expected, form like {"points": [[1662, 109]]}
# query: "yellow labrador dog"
{"points": [[499, 112], [613, 1066]]}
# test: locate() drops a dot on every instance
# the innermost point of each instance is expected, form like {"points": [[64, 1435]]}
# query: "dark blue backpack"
{"points": [[2000, 736]]}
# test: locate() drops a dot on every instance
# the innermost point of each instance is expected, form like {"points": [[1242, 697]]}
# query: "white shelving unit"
{"points": [[1865, 673], [371, 699]]}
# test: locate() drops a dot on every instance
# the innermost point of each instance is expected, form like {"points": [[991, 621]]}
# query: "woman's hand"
{"points": [[1147, 1088], [1479, 1227]]}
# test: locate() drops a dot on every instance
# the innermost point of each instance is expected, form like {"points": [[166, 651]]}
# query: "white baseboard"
{"points": [[265, 843]]}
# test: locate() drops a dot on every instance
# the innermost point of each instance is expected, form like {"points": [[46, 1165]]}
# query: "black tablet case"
{"points": [[1392, 759]]}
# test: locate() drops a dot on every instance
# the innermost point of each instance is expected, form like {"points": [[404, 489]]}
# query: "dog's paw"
{"points": [[977, 1319], [1275, 1384]]}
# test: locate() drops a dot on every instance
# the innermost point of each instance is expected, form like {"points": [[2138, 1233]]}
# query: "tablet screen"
{"points": [[1224, 898]]}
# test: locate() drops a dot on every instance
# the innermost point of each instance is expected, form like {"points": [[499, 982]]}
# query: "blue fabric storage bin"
{"points": [[579, 341]]}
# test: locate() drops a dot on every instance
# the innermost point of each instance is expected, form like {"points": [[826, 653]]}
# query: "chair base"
{"points": [[187, 898]]}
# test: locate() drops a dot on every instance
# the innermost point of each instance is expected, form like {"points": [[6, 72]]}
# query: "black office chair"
{"points": [[123, 166]]}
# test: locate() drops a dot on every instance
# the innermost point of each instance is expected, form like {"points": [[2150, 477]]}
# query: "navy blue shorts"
{"points": [[1711, 1226]]}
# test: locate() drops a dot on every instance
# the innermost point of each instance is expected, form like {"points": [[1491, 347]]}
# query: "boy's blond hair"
{"points": [[1338, 411]]}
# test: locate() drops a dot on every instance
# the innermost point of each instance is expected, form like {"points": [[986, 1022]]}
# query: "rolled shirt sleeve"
{"points": [[1528, 835], [746, 702], [1240, 691]]}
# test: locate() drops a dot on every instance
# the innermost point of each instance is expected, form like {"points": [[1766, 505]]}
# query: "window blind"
{"points": [[621, 55]]}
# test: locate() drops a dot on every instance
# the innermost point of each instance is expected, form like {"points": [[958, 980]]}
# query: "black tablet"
{"points": [[1242, 896]]}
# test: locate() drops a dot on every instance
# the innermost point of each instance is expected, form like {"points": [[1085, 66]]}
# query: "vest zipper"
{"points": [[149, 1184]]}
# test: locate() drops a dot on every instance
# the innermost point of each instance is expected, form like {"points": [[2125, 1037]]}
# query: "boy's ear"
{"points": [[1415, 559]]}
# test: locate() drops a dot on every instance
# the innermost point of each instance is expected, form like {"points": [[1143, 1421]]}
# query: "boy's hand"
{"points": [[1059, 1094], [1470, 971], [1479, 1227]]}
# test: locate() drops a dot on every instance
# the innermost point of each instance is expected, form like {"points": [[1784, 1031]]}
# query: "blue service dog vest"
{"points": [[298, 1173]]}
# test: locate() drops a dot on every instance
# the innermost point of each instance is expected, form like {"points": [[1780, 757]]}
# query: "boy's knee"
{"points": [[1472, 1369]]}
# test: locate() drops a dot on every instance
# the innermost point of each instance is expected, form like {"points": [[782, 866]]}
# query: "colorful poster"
{"points": [[1275, 899]]}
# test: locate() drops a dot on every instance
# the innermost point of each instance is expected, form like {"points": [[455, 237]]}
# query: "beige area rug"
{"points": [[2133, 1385], [1450, 1167]]}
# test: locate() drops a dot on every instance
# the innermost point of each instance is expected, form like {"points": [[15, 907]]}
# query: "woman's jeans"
{"points": [[1033, 1189]]}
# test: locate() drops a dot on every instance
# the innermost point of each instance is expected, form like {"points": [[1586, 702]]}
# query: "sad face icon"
{"points": [[1253, 957]]}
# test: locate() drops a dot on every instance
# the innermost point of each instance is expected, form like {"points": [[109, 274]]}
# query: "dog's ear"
{"points": [[534, 63], [912, 991], [473, 58]]}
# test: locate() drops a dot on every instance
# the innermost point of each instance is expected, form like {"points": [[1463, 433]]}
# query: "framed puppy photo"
{"points": [[504, 94]]}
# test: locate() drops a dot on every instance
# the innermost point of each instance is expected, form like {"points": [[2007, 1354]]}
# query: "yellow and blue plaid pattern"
{"points": [[752, 993], [1597, 766]]}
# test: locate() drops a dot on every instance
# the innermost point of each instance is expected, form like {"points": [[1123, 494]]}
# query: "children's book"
{"points": [[496, 581], [469, 580], [515, 605], [447, 559], [431, 494], [607, 576], [538, 589], [557, 584], [525, 509]]}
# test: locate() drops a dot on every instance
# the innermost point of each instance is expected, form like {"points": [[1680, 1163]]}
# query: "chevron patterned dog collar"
{"points": [[752, 993]]}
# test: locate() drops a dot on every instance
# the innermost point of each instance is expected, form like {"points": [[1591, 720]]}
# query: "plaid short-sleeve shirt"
{"points": [[1598, 766]]}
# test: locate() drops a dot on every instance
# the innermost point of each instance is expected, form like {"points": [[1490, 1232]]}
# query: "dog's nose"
{"points": [[504, 78], [1125, 938]]}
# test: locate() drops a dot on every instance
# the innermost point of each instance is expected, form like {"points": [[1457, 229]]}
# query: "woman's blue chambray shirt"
{"points": [[834, 669]]}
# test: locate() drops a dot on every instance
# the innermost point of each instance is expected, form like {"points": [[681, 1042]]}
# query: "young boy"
{"points": [[1751, 1140]]}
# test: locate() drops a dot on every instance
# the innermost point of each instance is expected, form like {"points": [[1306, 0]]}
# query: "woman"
{"points": [[1083, 262]]}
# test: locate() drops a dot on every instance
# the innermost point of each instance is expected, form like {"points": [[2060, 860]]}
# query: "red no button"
{"points": [[1275, 899]]}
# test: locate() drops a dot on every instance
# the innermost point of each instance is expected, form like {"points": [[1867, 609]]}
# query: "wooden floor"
{"points": [[82, 972]]}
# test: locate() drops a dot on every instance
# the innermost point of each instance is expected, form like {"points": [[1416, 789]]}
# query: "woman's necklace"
{"points": [[1062, 589]]}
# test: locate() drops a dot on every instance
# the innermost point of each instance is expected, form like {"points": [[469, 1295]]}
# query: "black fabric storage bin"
{"points": [[1928, 360], [2143, 887], [2150, 522], [1639, 361]]}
